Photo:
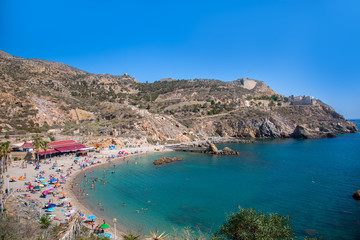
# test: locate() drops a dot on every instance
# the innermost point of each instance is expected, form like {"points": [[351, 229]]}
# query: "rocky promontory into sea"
{"points": [[208, 147]]}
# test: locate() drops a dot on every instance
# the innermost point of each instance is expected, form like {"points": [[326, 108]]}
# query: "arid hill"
{"points": [[37, 95]]}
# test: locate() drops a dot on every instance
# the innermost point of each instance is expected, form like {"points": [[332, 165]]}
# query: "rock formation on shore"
{"points": [[165, 160]]}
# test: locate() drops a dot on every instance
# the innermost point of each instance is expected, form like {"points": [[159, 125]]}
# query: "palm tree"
{"points": [[1, 158], [37, 139], [130, 236], [157, 236], [5, 150], [45, 222], [44, 145]]}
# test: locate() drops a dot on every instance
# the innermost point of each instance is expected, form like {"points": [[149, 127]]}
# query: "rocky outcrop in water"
{"points": [[212, 149], [356, 195], [165, 160]]}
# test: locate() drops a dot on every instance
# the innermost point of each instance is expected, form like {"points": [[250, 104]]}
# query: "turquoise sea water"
{"points": [[310, 180]]}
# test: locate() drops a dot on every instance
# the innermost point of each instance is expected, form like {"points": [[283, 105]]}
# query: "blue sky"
{"points": [[297, 47]]}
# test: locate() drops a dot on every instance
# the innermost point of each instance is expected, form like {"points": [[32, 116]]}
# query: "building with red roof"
{"points": [[57, 147]]}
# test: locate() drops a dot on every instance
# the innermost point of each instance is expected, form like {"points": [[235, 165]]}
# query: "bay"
{"points": [[312, 181]]}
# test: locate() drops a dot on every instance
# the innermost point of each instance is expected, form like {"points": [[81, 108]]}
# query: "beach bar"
{"points": [[56, 148]]}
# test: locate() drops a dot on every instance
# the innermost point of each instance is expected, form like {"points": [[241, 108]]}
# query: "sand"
{"points": [[16, 170]]}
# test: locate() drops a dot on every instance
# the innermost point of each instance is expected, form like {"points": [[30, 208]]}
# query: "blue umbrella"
{"points": [[41, 178], [37, 165], [105, 235], [91, 217], [53, 180], [50, 210], [51, 205]]}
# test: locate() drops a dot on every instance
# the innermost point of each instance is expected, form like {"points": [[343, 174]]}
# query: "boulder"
{"points": [[213, 148], [356, 195], [300, 132], [226, 149]]}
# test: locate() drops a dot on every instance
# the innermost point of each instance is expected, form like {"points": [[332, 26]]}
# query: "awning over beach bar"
{"points": [[66, 146], [48, 152], [70, 148]]}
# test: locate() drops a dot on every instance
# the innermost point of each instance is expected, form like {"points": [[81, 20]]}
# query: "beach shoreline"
{"points": [[15, 170], [85, 209]]}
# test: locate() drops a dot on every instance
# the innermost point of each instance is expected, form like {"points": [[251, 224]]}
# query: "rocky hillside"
{"points": [[38, 95]]}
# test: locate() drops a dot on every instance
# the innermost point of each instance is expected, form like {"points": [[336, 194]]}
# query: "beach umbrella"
{"points": [[104, 226], [108, 235], [49, 187], [57, 184], [36, 188], [51, 205], [41, 185], [12, 178], [21, 178], [50, 210], [37, 165], [63, 193], [91, 217], [41, 178]]}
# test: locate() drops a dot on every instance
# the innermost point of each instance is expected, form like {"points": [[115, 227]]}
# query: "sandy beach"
{"points": [[68, 203]]}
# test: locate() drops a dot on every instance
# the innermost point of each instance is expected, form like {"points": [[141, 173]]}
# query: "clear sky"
{"points": [[297, 47]]}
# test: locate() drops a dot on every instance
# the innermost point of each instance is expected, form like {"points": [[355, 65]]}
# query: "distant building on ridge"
{"points": [[301, 100]]}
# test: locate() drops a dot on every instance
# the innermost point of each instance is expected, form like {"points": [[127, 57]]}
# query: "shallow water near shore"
{"points": [[310, 180]]}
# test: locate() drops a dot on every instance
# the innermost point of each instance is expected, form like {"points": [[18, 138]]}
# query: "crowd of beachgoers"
{"points": [[49, 187]]}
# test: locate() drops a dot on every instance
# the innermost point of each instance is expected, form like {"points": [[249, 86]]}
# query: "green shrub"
{"points": [[247, 224], [45, 222]]}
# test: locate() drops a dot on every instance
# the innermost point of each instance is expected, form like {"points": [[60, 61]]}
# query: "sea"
{"points": [[312, 181]]}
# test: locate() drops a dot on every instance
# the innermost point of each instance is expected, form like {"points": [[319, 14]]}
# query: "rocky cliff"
{"points": [[38, 95]]}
